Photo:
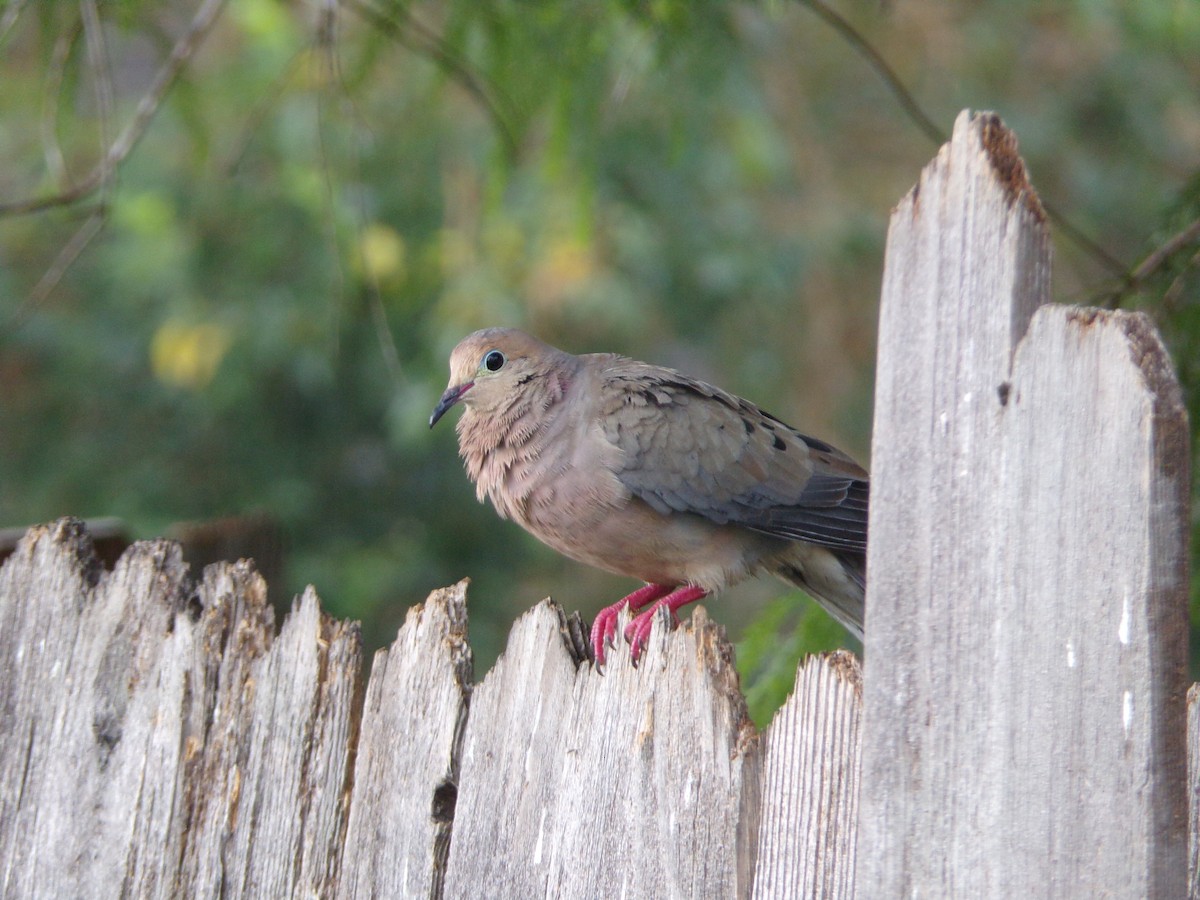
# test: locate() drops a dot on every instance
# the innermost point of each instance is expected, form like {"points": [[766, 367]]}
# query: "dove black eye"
{"points": [[493, 361]]}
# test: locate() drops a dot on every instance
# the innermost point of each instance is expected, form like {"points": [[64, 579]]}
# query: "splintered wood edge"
{"points": [[718, 660], [987, 132], [69, 535], [986, 153], [1003, 152], [845, 664], [228, 603], [715, 655], [226, 580], [450, 602], [235, 590]]}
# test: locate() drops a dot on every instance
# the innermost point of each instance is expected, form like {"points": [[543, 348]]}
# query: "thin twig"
{"points": [[1076, 236], [1156, 260], [258, 115], [326, 28], [55, 76], [1175, 291], [852, 36], [930, 129], [11, 13], [97, 53], [166, 76], [383, 333], [65, 259], [436, 47], [325, 31]]}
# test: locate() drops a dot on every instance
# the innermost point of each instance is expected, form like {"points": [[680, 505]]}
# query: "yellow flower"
{"points": [[187, 355], [382, 253]]}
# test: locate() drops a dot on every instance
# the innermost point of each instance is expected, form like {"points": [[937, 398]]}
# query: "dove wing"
{"points": [[690, 447]]}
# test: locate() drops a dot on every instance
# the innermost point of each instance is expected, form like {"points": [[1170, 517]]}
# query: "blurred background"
{"points": [[239, 239]]}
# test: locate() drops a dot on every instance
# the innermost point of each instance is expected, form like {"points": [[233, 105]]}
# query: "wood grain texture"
{"points": [[811, 761], [1193, 731], [406, 774], [92, 709], [268, 810], [1026, 636], [158, 742], [641, 782]]}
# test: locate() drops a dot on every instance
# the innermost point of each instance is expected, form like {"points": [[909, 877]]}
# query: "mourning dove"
{"points": [[645, 472]]}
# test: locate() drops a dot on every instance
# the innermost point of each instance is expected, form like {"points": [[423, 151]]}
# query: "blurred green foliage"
{"points": [[331, 194]]}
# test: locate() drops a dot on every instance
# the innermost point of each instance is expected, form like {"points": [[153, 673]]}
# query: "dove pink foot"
{"points": [[637, 631], [605, 625]]}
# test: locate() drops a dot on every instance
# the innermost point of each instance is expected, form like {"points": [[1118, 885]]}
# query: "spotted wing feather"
{"points": [[690, 447]]}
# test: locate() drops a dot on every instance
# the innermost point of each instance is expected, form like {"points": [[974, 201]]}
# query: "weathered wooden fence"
{"points": [[1025, 730]]}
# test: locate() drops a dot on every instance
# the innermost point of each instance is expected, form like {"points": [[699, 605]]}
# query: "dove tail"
{"points": [[835, 579]]}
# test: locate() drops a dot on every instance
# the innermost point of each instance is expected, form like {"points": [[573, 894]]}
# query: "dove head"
{"points": [[488, 367]]}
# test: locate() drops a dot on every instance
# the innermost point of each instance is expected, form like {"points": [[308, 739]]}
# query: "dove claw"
{"points": [[637, 632], [604, 628]]}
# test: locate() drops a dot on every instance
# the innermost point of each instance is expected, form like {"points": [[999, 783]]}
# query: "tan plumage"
{"points": [[642, 471]]}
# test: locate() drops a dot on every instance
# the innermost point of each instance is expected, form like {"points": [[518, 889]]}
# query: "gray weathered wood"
{"points": [[1026, 634], [267, 798], [406, 774], [159, 741], [641, 782], [153, 747], [94, 699], [811, 757], [1193, 732]]}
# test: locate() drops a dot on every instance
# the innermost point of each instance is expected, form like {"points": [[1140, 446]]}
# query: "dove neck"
{"points": [[502, 446]]}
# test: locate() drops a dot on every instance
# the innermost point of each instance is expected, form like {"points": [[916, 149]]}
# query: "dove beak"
{"points": [[453, 394]]}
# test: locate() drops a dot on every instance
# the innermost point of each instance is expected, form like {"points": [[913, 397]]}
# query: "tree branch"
{"points": [[55, 75], [66, 257], [854, 38], [436, 48], [166, 76], [387, 343], [97, 52], [11, 12], [930, 129], [1156, 260]]}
